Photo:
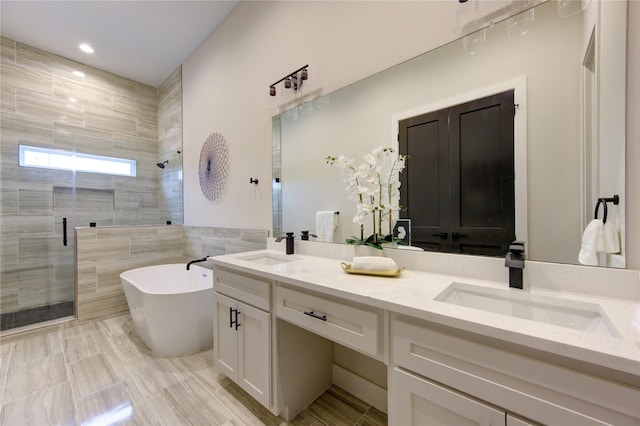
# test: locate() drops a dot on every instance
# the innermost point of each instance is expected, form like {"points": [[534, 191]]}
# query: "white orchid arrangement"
{"points": [[375, 186]]}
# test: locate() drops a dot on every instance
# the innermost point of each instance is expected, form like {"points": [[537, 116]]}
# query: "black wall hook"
{"points": [[253, 181]]}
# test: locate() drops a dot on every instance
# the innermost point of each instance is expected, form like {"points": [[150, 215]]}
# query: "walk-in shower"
{"points": [[50, 187]]}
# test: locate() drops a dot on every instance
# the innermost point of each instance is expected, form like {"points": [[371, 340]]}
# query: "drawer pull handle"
{"points": [[233, 318], [314, 315]]}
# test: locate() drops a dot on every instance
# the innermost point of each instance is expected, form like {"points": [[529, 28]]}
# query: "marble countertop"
{"points": [[414, 291]]}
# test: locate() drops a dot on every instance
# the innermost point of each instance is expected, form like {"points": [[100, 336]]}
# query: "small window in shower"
{"points": [[31, 156]]}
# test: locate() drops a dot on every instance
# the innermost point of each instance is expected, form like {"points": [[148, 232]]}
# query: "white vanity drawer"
{"points": [[531, 387], [355, 326], [250, 289]]}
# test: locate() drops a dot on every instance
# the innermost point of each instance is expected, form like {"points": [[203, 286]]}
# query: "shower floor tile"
{"points": [[24, 317]]}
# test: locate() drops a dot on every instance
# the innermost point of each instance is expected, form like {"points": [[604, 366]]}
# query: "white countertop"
{"points": [[414, 291]]}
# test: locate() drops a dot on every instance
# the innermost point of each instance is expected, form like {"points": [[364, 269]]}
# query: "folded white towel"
{"points": [[374, 263], [611, 237], [326, 222], [592, 242]]}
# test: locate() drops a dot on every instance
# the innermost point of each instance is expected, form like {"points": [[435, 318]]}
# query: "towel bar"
{"points": [[615, 200]]}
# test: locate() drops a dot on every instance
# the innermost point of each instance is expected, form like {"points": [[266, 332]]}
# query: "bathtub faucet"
{"points": [[204, 259]]}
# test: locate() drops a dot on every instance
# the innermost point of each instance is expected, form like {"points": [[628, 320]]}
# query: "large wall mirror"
{"points": [[567, 74]]}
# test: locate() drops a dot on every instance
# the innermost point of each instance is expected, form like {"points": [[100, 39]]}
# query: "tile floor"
{"points": [[99, 373]]}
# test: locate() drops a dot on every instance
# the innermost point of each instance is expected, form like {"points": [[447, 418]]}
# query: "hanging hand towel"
{"points": [[611, 237], [592, 242], [326, 222]]}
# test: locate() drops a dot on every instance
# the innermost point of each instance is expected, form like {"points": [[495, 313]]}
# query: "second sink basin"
{"points": [[268, 259], [517, 303]]}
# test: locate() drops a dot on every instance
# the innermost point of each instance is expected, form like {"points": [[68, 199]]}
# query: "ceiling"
{"points": [[141, 40]]}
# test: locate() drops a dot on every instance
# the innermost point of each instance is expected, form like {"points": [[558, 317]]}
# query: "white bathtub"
{"points": [[172, 308]]}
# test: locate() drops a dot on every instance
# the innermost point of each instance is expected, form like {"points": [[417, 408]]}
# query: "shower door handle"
{"points": [[64, 231]]}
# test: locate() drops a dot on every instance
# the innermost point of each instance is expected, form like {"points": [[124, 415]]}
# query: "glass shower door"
{"points": [[37, 219]]}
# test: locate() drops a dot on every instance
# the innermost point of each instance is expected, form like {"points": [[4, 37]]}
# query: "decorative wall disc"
{"points": [[213, 169]]}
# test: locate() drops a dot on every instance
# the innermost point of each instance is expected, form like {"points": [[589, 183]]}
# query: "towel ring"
{"points": [[595, 214]]}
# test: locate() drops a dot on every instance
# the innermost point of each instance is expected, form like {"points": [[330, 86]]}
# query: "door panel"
{"points": [[482, 175], [459, 180], [424, 180]]}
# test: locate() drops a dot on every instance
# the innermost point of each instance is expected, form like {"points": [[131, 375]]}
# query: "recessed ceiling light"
{"points": [[86, 48], [77, 73]]}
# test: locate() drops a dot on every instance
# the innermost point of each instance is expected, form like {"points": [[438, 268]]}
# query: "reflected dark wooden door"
{"points": [[459, 180]]}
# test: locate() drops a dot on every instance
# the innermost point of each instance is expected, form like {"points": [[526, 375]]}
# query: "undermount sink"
{"points": [[268, 259], [517, 303]]}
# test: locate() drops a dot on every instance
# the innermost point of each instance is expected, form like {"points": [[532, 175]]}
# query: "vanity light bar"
{"points": [[291, 80]]}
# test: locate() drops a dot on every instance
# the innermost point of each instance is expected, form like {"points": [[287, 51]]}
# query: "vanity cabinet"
{"points": [[242, 332], [436, 370]]}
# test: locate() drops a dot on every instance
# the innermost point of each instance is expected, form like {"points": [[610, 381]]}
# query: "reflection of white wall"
{"points": [[553, 121], [611, 70]]}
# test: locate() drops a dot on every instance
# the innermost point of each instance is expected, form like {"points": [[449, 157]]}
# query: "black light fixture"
{"points": [[291, 81]]}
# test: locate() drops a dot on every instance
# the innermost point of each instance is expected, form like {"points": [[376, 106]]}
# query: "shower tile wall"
{"points": [[202, 241], [104, 253], [108, 115], [169, 143]]}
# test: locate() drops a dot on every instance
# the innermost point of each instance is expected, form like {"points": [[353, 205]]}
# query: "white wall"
{"points": [[633, 138], [226, 80]]}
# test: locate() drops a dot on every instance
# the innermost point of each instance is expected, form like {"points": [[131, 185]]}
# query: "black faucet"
{"points": [[515, 262], [305, 235], [289, 238], [204, 259]]}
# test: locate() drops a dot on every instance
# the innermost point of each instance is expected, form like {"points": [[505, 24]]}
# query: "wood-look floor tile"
{"points": [[36, 347], [153, 375], [130, 348], [337, 407], [201, 365], [91, 374], [188, 402], [373, 417], [115, 405], [53, 406], [305, 418], [5, 356], [27, 378], [75, 329], [245, 408], [118, 325], [85, 345]]}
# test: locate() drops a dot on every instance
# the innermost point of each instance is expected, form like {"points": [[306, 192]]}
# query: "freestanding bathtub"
{"points": [[172, 308]]}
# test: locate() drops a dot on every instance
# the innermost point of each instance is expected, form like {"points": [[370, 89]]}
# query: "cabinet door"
{"points": [[254, 353], [225, 337], [418, 401]]}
